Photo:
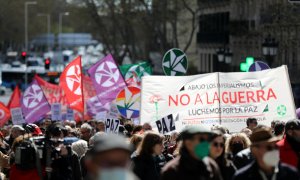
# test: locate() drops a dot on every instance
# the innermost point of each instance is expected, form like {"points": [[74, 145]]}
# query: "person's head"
{"points": [[251, 123], [263, 147], [95, 136], [247, 131], [86, 131], [129, 128], [16, 131], [110, 152], [100, 126], [152, 144], [279, 128], [273, 123], [220, 128], [137, 129], [80, 147], [236, 143], [47, 122], [147, 127], [72, 124], [195, 141], [292, 129], [136, 140], [217, 145], [55, 130], [33, 129], [174, 137]]}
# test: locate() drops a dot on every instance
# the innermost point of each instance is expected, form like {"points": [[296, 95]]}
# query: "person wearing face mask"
{"points": [[236, 143], [148, 163], [109, 159], [289, 146], [194, 162], [266, 165]]}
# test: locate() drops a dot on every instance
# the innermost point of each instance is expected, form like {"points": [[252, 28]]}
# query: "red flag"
{"points": [[15, 99], [4, 114], [71, 83]]}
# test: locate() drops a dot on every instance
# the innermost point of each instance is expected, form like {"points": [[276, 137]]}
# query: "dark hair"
{"points": [[149, 141], [137, 129], [250, 120], [279, 128], [54, 129], [128, 127]]}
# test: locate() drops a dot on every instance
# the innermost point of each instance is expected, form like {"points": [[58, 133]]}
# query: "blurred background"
{"points": [[216, 35]]}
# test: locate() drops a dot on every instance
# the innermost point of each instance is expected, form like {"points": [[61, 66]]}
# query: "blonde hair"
{"points": [[242, 136]]}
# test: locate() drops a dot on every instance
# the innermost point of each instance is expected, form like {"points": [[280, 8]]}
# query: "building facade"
{"points": [[241, 28]]}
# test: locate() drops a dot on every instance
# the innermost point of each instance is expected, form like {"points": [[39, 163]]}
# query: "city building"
{"points": [[232, 30]]}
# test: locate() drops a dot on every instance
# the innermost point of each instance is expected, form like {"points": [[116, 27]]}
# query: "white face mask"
{"points": [[116, 174], [271, 158]]}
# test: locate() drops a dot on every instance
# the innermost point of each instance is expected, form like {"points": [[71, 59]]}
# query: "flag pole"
{"points": [[81, 79]]}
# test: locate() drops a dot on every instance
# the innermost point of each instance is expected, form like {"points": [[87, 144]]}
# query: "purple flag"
{"points": [[94, 106], [107, 79], [34, 103]]}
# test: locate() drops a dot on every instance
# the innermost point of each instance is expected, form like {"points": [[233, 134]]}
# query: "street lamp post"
{"points": [[224, 58], [48, 27], [60, 28], [269, 49], [26, 4]]}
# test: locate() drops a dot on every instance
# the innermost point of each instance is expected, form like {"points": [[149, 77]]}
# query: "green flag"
{"points": [[133, 73]]}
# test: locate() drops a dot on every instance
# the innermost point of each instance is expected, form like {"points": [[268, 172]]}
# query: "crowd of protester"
{"points": [[84, 151]]}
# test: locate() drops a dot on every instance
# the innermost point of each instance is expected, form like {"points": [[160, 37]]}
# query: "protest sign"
{"points": [[70, 114], [112, 126], [17, 116], [219, 98], [56, 114], [101, 115], [166, 124]]}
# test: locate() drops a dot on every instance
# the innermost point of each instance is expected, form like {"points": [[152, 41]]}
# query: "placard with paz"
{"points": [[112, 125], [166, 124]]}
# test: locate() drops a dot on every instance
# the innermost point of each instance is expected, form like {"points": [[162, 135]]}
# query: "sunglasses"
{"points": [[216, 144]]}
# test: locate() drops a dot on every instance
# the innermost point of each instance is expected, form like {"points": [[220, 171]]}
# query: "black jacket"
{"points": [[147, 167], [184, 167], [250, 172], [243, 158]]}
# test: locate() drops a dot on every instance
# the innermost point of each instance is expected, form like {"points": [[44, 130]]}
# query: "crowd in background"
{"points": [[70, 151]]}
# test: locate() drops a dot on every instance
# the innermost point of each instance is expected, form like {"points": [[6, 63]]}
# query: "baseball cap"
{"points": [[189, 131], [293, 124], [110, 142]]}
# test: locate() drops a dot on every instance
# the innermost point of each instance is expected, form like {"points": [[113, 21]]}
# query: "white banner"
{"points": [[56, 114], [17, 116], [70, 114], [219, 98]]}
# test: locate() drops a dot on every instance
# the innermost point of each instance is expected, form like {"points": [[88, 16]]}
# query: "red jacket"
{"points": [[17, 174], [287, 154]]}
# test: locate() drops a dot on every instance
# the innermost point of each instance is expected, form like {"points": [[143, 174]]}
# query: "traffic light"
{"points": [[47, 63], [23, 55], [244, 66]]}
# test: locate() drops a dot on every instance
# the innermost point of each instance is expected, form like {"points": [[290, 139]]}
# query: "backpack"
{"points": [[27, 156]]}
